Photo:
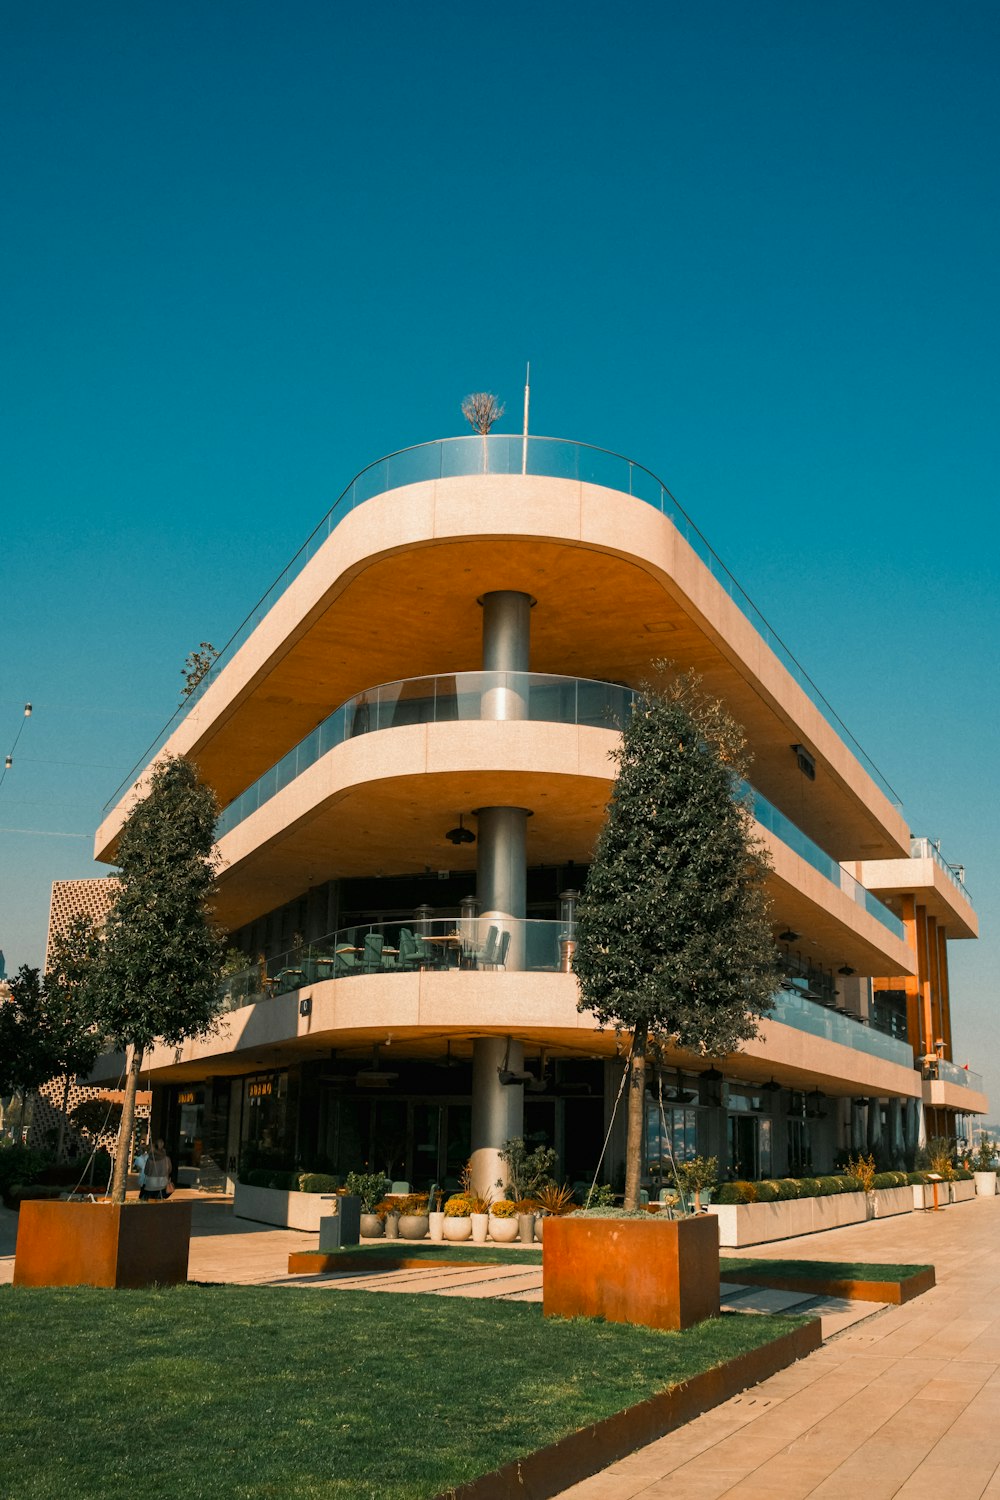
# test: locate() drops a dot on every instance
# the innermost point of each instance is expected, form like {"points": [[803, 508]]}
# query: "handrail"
{"points": [[557, 458], [925, 848]]}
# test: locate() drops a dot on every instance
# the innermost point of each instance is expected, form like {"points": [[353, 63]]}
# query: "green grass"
{"points": [[482, 1255], [830, 1270], [247, 1392]]}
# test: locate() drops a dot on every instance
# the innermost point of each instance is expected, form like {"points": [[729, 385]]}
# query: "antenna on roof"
{"points": [[527, 403]]}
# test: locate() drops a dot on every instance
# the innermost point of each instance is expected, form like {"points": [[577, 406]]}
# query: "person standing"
{"points": [[156, 1174]]}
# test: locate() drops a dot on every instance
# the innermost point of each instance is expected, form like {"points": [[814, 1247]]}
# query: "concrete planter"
{"points": [[458, 1228], [889, 1201], [371, 1227], [413, 1226], [986, 1184], [287, 1210], [102, 1244], [503, 1231], [663, 1273], [962, 1191], [754, 1223], [435, 1224]]}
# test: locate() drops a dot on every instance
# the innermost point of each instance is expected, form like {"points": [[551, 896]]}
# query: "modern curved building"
{"points": [[410, 739]]}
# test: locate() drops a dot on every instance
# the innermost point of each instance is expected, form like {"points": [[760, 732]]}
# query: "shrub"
{"points": [[415, 1203], [503, 1209], [318, 1182], [526, 1206], [555, 1200], [368, 1186], [284, 1182], [457, 1207], [767, 1192], [21, 1165], [385, 1207], [890, 1179], [601, 1195], [33, 1192], [256, 1177], [527, 1171], [985, 1157], [697, 1175]]}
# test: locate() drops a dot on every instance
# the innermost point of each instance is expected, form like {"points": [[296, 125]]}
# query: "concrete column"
{"points": [[501, 883], [497, 1109], [507, 649]]}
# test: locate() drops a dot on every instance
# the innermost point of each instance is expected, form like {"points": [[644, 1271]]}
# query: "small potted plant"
{"points": [[984, 1161], [697, 1176], [553, 1201], [503, 1221], [414, 1221], [457, 1220], [479, 1214], [526, 1210], [369, 1187], [388, 1212]]}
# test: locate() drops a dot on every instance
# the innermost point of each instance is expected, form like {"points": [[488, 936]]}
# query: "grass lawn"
{"points": [[201, 1392], [830, 1270], [480, 1255]]}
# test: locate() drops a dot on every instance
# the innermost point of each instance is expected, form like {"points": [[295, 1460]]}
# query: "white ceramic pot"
{"points": [[986, 1184], [435, 1223], [503, 1231], [526, 1228], [539, 1223], [480, 1228], [457, 1229]]}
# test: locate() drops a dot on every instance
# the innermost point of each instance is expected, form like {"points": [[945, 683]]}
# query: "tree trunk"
{"points": [[636, 1114], [123, 1146], [62, 1119]]}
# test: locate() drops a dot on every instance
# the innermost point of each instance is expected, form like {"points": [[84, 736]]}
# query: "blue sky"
{"points": [[249, 248]]}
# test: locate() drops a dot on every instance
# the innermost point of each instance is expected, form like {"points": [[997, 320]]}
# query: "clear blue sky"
{"points": [[249, 247]]}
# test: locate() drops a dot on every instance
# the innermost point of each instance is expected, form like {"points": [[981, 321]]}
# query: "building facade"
{"points": [[410, 741]]}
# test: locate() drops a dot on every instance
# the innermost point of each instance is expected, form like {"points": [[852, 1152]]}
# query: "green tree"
{"points": [[157, 973], [674, 943], [72, 1038], [25, 1062]]}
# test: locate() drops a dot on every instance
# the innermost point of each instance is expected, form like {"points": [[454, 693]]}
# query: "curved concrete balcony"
{"points": [[388, 588], [421, 1012]]}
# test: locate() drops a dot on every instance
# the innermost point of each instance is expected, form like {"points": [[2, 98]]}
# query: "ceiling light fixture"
{"points": [[461, 834], [788, 936]]}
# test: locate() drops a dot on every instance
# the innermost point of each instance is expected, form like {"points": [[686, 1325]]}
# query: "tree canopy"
{"points": [[158, 970], [674, 941]]}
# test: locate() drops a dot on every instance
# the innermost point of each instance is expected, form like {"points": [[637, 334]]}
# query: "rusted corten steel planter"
{"points": [[102, 1244], [663, 1273]]}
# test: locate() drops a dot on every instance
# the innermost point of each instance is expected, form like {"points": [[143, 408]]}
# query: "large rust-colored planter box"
{"points": [[663, 1273], [102, 1244]]}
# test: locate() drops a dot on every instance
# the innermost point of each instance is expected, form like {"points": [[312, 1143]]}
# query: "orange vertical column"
{"points": [[944, 990], [923, 983], [912, 986]]}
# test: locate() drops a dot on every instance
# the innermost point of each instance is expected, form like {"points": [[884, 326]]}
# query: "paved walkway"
{"points": [[904, 1402]]}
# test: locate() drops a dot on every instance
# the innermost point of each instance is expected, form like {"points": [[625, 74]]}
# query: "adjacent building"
{"points": [[410, 740]]}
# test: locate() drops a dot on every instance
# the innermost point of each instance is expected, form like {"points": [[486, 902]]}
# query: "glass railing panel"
{"points": [[595, 466], [308, 752], [414, 466], [332, 731], [371, 482], [949, 1072], [848, 1031]]}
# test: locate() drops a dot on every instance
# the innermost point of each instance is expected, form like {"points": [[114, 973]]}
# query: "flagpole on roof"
{"points": [[527, 402]]}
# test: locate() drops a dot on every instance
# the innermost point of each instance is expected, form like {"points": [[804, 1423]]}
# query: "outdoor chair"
{"points": [[374, 942]]}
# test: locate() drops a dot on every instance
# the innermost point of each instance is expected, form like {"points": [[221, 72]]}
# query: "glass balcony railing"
{"points": [[440, 700], [849, 1031], [770, 818], [528, 696], [438, 943], [922, 848], [949, 1072], [553, 458]]}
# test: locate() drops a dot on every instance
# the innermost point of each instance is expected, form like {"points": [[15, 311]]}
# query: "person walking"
{"points": [[156, 1174]]}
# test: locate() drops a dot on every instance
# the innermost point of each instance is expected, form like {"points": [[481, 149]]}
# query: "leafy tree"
{"points": [[674, 943], [25, 1062], [73, 1040], [157, 972]]}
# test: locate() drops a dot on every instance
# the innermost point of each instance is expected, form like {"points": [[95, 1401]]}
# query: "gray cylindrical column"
{"points": [[501, 878], [506, 649], [497, 1109]]}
